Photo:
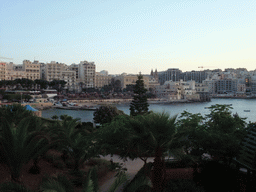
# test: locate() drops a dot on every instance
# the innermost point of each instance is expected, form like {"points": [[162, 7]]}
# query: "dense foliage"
{"points": [[219, 133], [105, 114], [14, 113], [139, 104]]}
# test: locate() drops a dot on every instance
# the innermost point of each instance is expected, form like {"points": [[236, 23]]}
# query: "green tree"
{"points": [[141, 136], [219, 133], [75, 142], [224, 132], [55, 117], [14, 113], [42, 84], [106, 113], [19, 146], [193, 125], [139, 104], [57, 84]]}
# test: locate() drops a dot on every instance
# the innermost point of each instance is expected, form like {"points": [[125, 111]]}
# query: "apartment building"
{"points": [[87, 74], [14, 72], [173, 74], [225, 86], [75, 67], [53, 70], [102, 79], [197, 76], [69, 77], [32, 70], [131, 80], [2, 70], [42, 71]]}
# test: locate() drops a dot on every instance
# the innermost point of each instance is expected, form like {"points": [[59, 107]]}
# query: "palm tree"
{"points": [[142, 136], [19, 146], [158, 132], [76, 142]]}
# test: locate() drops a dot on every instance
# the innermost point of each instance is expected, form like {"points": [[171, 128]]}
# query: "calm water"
{"points": [[239, 105]]}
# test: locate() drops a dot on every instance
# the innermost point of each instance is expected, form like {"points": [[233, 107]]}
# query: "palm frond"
{"points": [[88, 184], [138, 183], [120, 179], [59, 184]]}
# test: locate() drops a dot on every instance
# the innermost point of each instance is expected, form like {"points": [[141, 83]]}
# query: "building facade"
{"points": [[172, 74], [102, 79], [2, 71], [87, 74], [32, 70], [54, 70], [131, 80]]}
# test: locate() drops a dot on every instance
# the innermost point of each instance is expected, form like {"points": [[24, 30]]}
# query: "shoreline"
{"points": [[98, 102]]}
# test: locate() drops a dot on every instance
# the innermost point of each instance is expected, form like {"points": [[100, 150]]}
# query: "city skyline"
{"points": [[131, 37]]}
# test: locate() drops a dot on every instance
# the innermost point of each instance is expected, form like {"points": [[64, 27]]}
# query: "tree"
{"points": [[117, 86], [75, 142], [219, 133], [57, 84], [139, 104], [224, 132], [194, 128], [14, 113], [142, 136], [43, 84], [105, 114], [19, 146]]}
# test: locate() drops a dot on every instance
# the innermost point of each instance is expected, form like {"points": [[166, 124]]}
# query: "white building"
{"points": [[87, 74]]}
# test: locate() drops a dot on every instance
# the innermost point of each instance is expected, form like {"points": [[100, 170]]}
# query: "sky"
{"points": [[131, 36]]}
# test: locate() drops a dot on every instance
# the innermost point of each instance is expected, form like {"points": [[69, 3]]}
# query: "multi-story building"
{"points": [[131, 80], [2, 70], [102, 79], [197, 76], [32, 69], [54, 70], [225, 86], [177, 90], [87, 74], [69, 77], [173, 74], [42, 71], [75, 67], [14, 72]]}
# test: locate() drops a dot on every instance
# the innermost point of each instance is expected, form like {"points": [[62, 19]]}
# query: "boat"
{"points": [[247, 110], [76, 108]]}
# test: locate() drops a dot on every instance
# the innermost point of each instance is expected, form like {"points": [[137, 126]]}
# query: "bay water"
{"points": [[240, 106]]}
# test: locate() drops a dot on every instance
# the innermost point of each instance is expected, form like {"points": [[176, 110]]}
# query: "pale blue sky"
{"points": [[131, 36]]}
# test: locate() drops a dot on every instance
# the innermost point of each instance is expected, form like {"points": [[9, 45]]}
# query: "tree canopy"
{"points": [[139, 104]]}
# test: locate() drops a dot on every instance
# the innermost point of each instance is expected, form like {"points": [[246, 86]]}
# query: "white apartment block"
{"points": [[87, 74], [54, 70], [69, 77]]}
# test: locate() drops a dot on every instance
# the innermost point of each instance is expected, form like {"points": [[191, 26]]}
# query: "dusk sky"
{"points": [[131, 36]]}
